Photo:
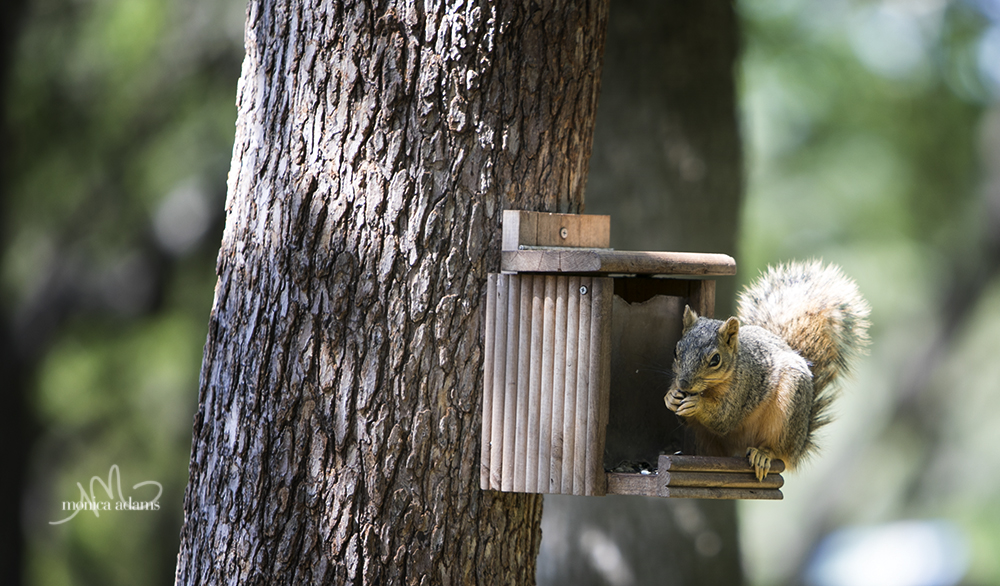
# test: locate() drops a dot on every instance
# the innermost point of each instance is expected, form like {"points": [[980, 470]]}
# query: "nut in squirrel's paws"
{"points": [[681, 403], [760, 459]]}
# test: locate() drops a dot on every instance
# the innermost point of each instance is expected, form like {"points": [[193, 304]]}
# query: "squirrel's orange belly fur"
{"points": [[765, 427]]}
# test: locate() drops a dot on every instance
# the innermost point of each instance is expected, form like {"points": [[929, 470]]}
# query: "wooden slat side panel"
{"points": [[519, 463], [510, 403], [489, 336], [535, 381], [602, 290], [570, 384], [558, 386], [606, 301], [582, 388], [499, 402], [545, 399]]}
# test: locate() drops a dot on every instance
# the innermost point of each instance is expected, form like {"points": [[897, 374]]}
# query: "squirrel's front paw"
{"points": [[760, 459], [673, 399], [681, 403]]}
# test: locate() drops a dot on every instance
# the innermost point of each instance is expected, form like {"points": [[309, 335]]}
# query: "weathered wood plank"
{"points": [[723, 493], [523, 377], [702, 297], [633, 484], [601, 294], [545, 400], [570, 387], [518, 227], [558, 385], [489, 346], [499, 370], [510, 404], [682, 463], [577, 230], [582, 387], [535, 381], [652, 485], [719, 480], [602, 262], [524, 228]]}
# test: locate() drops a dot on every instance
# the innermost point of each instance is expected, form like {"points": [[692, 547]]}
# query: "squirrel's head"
{"points": [[706, 352]]}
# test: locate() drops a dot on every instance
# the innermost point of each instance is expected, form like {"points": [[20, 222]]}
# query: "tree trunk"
{"points": [[336, 439], [667, 166], [18, 427]]}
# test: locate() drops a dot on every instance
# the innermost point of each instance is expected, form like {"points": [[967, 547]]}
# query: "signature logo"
{"points": [[89, 500]]}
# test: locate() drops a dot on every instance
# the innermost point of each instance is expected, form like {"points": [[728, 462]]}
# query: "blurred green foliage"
{"points": [[121, 115], [871, 129]]}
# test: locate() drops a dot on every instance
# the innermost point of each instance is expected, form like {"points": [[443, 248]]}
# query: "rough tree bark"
{"points": [[667, 166], [336, 439]]}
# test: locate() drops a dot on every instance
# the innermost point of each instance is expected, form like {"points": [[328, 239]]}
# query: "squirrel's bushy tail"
{"points": [[819, 312]]}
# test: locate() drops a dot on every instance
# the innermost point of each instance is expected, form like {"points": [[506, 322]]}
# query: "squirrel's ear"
{"points": [[689, 317], [728, 333]]}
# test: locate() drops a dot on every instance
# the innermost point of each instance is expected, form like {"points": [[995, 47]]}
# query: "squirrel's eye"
{"points": [[714, 361]]}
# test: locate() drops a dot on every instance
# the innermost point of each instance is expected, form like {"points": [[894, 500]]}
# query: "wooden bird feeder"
{"points": [[578, 350]]}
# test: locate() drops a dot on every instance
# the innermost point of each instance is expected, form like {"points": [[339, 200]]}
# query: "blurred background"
{"points": [[118, 129], [871, 135], [872, 138]]}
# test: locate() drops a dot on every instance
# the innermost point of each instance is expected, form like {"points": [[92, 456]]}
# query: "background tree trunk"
{"points": [[18, 427], [667, 167], [336, 439]]}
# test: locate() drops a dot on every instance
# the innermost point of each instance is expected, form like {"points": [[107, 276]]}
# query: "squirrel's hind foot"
{"points": [[760, 459]]}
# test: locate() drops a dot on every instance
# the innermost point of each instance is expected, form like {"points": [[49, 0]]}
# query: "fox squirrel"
{"points": [[757, 385]]}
